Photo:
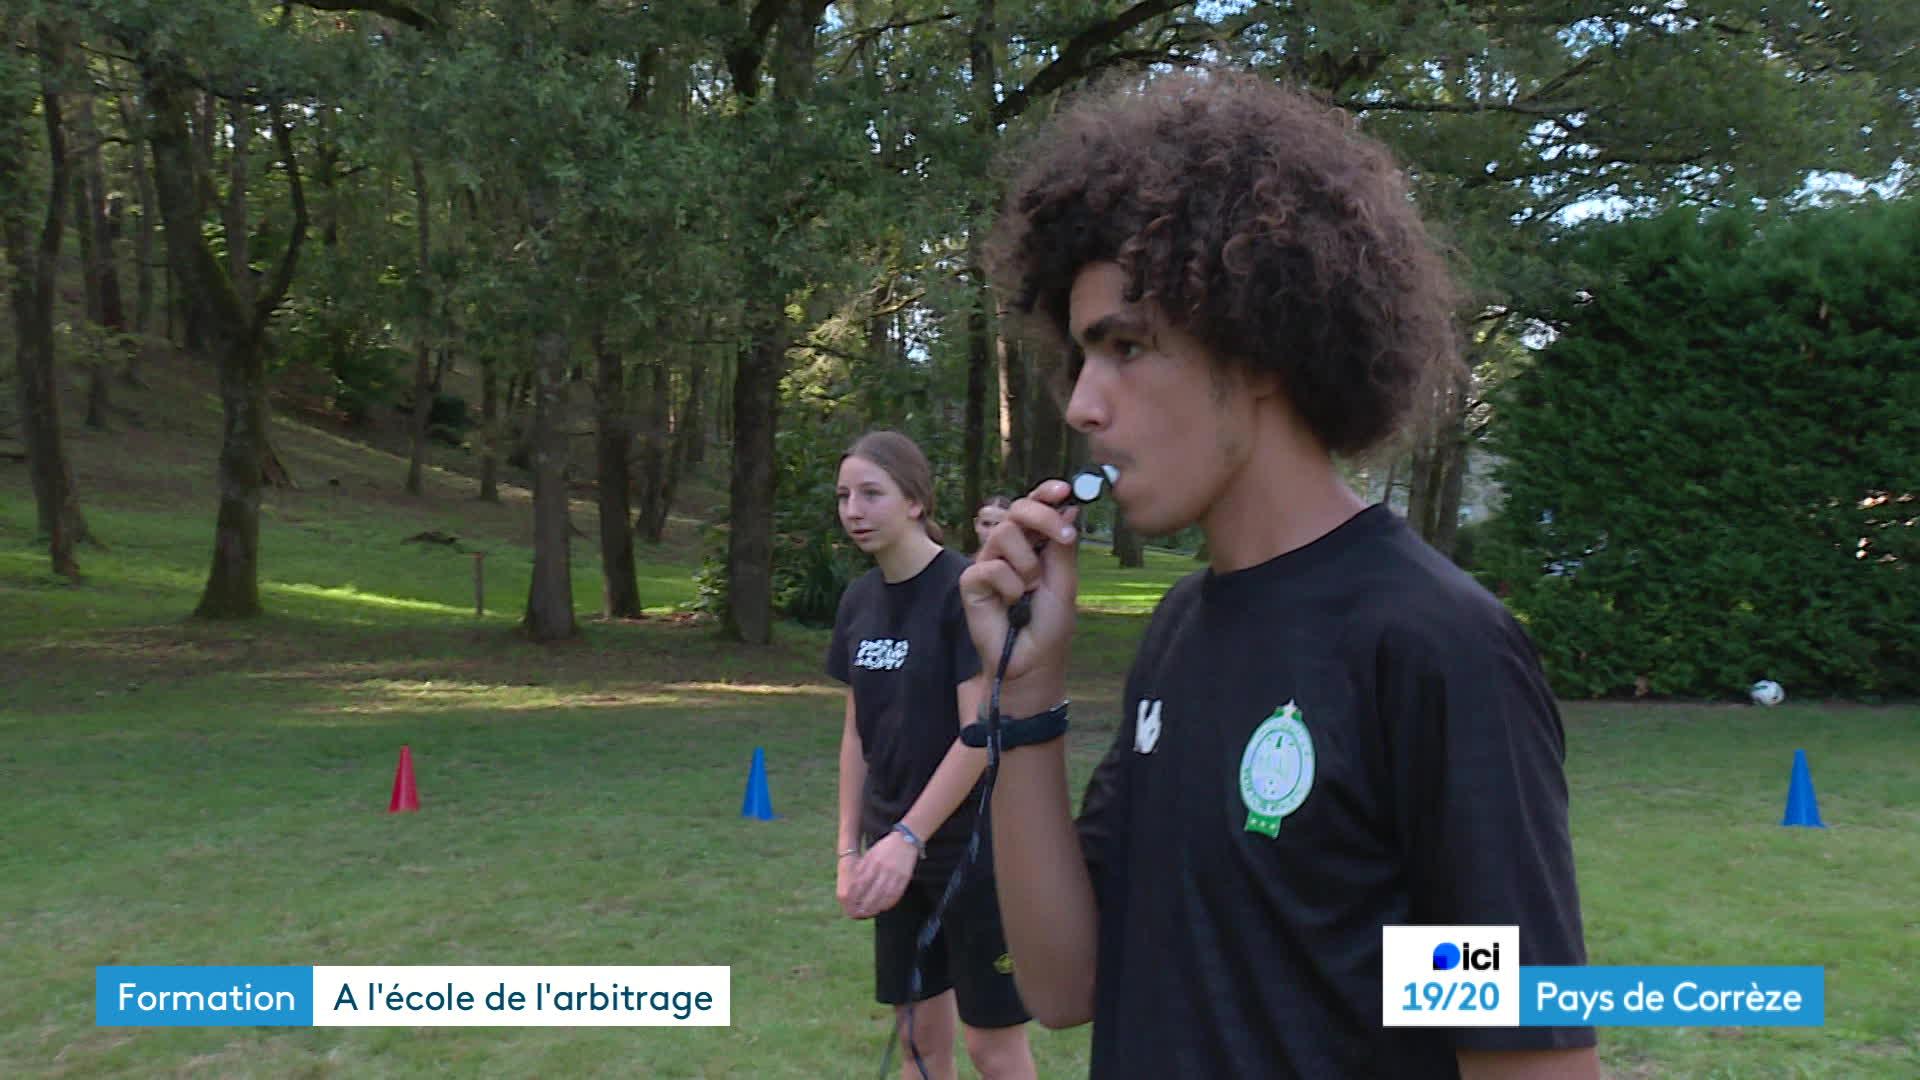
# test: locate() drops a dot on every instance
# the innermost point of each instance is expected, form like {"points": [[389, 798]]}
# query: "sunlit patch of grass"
{"points": [[1107, 588], [377, 697], [352, 594], [760, 689]]}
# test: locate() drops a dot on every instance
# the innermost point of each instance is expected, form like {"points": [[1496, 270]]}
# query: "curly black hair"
{"points": [[1258, 220]]}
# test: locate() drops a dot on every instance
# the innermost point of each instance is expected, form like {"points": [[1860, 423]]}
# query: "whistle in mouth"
{"points": [[1090, 484]]}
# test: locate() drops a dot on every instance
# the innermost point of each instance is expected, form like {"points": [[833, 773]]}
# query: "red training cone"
{"points": [[406, 797]]}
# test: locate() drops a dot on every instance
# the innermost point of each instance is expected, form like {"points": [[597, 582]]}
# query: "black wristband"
{"points": [[1027, 731]]}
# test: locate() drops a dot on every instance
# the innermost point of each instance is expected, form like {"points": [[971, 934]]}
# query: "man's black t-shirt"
{"points": [[903, 648], [1351, 735]]}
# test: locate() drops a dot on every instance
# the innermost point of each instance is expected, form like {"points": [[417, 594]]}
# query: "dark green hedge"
{"points": [[1712, 474]]}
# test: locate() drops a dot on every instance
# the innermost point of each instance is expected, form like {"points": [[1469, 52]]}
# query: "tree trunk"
{"points": [[689, 435], [34, 266], [1439, 471], [232, 330], [1446, 533], [612, 437], [107, 219], [652, 517], [205, 123], [983, 67], [89, 227], [518, 386], [61, 523], [99, 399], [677, 461], [690, 431], [423, 344], [727, 366], [974, 443], [1451, 472], [234, 211], [1048, 454], [1418, 486], [549, 615], [1127, 547], [101, 225], [756, 402], [326, 169], [142, 232], [97, 341], [84, 135], [233, 589], [1015, 405], [489, 429], [666, 447], [756, 390], [179, 333]]}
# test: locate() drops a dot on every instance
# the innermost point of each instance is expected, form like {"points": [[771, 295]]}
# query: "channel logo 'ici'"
{"points": [[1447, 956]]}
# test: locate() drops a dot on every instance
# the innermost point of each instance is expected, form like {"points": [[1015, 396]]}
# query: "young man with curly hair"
{"points": [[1331, 728]]}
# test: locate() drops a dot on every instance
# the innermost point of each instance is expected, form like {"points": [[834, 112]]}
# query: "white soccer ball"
{"points": [[1766, 692]]}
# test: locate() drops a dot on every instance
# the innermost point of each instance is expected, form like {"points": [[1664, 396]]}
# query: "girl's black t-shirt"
{"points": [[903, 649]]}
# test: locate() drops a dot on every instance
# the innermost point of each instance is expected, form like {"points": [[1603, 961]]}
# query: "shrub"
{"points": [[1710, 473]]}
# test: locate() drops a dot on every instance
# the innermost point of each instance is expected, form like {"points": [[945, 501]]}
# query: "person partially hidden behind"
{"points": [[992, 511], [1329, 730]]}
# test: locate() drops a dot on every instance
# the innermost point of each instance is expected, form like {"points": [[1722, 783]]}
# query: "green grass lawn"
{"points": [[181, 793]]}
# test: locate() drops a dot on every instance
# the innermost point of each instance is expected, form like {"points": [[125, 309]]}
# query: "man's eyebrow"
{"points": [[1116, 324]]}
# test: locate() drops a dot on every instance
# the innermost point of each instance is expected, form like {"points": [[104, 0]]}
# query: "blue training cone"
{"points": [[759, 802], [1802, 807]]}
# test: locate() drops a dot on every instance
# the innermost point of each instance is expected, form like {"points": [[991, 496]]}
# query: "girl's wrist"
{"points": [[906, 832]]}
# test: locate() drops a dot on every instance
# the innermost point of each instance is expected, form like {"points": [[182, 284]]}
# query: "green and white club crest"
{"points": [[1276, 771]]}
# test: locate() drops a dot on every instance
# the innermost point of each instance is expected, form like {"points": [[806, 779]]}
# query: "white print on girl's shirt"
{"points": [[881, 654]]}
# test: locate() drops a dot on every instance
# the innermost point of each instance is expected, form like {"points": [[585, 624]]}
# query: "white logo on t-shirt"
{"points": [[1146, 728], [881, 654]]}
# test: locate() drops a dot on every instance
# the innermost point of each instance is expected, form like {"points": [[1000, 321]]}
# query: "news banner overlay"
{"points": [[1674, 996], [1450, 976], [524, 996], [203, 996], [1471, 976]]}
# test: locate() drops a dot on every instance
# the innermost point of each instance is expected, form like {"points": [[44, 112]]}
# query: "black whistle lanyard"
{"points": [[1087, 484]]}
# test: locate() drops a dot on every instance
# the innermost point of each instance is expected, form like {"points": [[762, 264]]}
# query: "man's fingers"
{"points": [[992, 582], [1040, 523], [1011, 544], [1050, 491], [1060, 566], [1036, 519]]}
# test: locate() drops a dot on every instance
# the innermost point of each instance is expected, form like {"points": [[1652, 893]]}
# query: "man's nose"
{"points": [[1088, 408]]}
